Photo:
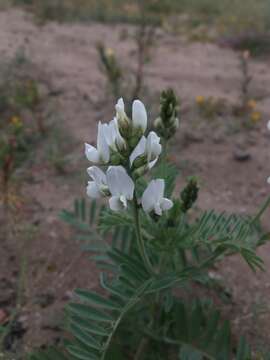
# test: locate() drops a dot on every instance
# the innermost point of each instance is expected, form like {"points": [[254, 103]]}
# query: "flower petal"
{"points": [[268, 125], [109, 134], [153, 147], [91, 153], [115, 203], [138, 151], [120, 142], [152, 194], [102, 145], [123, 201], [92, 190], [119, 182], [152, 163], [97, 175], [158, 189], [158, 209], [120, 107], [139, 115], [166, 204]]}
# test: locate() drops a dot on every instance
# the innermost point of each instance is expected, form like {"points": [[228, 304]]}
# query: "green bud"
{"points": [[124, 124], [139, 161], [167, 123], [115, 158], [105, 190], [140, 172], [135, 137], [190, 194]]}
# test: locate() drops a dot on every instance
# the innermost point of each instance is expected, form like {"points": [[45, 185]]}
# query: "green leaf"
{"points": [[84, 337], [89, 325], [81, 354], [96, 299], [89, 313]]}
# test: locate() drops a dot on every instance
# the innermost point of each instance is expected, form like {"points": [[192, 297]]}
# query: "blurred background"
{"points": [[63, 65]]}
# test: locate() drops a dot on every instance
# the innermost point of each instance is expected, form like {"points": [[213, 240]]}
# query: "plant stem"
{"points": [[261, 211], [140, 242]]}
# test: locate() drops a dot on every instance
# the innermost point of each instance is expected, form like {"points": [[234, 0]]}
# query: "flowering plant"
{"points": [[150, 252]]}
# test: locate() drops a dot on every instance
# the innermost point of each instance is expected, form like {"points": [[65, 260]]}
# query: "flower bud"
{"points": [[116, 158], [167, 123], [139, 161], [124, 123], [189, 194], [140, 172]]}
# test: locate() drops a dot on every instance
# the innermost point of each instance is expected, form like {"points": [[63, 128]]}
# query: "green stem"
{"points": [[261, 211], [140, 242]]}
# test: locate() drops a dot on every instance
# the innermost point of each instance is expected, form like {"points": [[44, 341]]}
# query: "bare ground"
{"points": [[67, 56]]}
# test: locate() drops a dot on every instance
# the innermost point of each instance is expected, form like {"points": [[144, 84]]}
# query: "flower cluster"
{"points": [[126, 154]]}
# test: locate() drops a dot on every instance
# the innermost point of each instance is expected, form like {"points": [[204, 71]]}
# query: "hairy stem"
{"points": [[140, 242]]}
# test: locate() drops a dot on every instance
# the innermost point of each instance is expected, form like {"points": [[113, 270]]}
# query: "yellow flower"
{"points": [[200, 99], [251, 104], [16, 121], [109, 52], [255, 116]]}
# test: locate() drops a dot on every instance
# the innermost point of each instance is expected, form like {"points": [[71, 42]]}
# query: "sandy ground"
{"points": [[67, 55]]}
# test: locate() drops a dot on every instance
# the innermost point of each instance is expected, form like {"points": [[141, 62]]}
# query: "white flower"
{"points": [[121, 187], [139, 150], [113, 136], [120, 108], [153, 198], [98, 187], [139, 115], [153, 148], [101, 154], [150, 147]]}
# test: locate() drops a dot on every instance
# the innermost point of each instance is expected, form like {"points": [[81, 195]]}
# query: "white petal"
{"points": [[139, 150], [97, 175], [120, 107], [153, 147], [152, 194], [119, 182], [158, 209], [109, 134], [268, 181], [152, 163], [118, 138], [158, 188], [102, 145], [92, 190], [148, 201], [139, 115], [123, 201], [268, 125], [127, 186], [115, 203], [91, 153], [166, 204]]}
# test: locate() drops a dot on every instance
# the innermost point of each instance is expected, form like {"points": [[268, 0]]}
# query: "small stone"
{"points": [[241, 155], [44, 300]]}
